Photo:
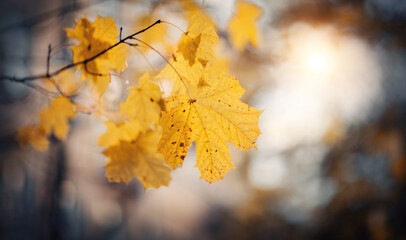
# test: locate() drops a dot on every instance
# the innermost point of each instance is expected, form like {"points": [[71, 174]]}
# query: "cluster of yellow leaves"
{"points": [[132, 144], [242, 28], [94, 38], [204, 105], [52, 119]]}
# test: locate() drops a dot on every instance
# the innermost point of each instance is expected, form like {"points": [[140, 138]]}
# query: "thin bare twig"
{"points": [[48, 58]]}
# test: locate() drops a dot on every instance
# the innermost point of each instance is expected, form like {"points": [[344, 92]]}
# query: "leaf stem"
{"points": [[173, 25]]}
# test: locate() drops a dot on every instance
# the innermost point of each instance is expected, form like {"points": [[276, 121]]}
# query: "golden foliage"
{"points": [[204, 107]]}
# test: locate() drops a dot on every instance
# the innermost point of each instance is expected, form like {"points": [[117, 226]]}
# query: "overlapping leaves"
{"points": [[153, 133]]}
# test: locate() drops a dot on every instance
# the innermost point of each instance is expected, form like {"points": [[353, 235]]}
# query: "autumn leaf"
{"points": [[143, 102], [138, 158], [115, 133], [55, 118], [35, 136], [94, 38], [213, 117], [198, 42], [242, 26]]}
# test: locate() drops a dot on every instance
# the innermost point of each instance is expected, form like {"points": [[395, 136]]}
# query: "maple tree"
{"points": [[151, 133]]}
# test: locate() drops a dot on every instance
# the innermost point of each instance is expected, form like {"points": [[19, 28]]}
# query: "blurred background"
{"points": [[331, 160]]}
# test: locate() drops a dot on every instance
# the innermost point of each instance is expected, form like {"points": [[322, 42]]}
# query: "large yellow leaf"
{"points": [[94, 38], [199, 41], [242, 26], [213, 117], [55, 118], [115, 133], [34, 136], [138, 158], [143, 102]]}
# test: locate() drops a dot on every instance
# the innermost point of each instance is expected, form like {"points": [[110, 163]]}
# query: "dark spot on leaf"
{"points": [[173, 142], [182, 157], [207, 150], [172, 125], [89, 47], [181, 144], [152, 100], [184, 110], [216, 150]]}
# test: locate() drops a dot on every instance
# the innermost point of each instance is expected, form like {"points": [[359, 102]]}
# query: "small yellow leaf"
{"points": [[242, 26], [143, 102], [55, 118], [213, 117], [95, 38], [199, 41], [119, 132], [138, 158], [34, 136]]}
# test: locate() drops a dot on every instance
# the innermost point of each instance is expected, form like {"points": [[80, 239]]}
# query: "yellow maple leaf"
{"points": [[34, 136], [198, 42], [94, 38], [213, 117], [143, 102], [115, 133], [55, 118], [242, 26], [138, 158]]}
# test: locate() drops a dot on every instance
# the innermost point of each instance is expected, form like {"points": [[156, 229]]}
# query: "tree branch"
{"points": [[69, 66]]}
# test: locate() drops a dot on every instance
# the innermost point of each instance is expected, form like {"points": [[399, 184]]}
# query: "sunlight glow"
{"points": [[317, 62]]}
